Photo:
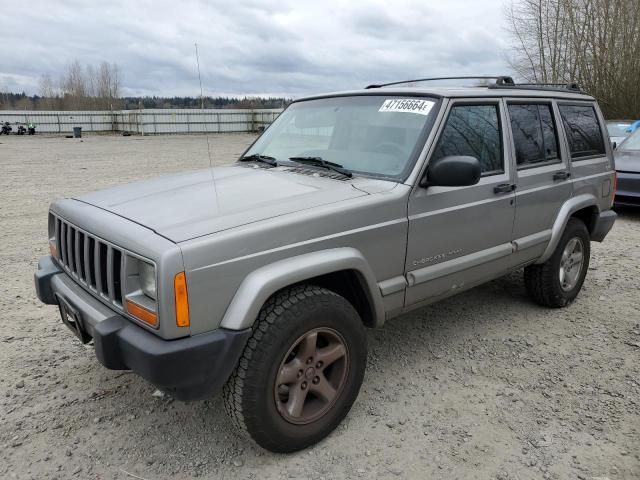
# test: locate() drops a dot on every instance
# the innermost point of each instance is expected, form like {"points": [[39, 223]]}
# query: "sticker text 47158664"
{"points": [[407, 105]]}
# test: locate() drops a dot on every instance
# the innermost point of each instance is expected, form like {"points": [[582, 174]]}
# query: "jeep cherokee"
{"points": [[259, 277]]}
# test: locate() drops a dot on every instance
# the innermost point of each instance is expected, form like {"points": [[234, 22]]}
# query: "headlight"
{"points": [[148, 279]]}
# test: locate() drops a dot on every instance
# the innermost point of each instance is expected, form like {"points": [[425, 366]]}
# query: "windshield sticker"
{"points": [[407, 105]]}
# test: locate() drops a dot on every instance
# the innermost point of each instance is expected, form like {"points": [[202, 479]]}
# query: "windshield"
{"points": [[632, 142], [617, 129], [367, 134]]}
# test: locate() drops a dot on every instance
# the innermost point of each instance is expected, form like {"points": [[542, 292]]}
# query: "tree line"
{"points": [[131, 103], [98, 87], [22, 101], [595, 43]]}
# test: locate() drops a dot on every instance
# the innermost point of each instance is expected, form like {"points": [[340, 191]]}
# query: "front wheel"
{"points": [[557, 282], [301, 369]]}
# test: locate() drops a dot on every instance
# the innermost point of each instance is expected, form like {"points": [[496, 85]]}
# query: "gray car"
{"points": [[352, 208], [627, 157]]}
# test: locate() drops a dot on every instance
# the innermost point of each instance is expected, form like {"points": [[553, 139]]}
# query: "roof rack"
{"points": [[554, 87], [500, 81]]}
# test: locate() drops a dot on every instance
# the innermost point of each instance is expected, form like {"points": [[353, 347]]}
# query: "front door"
{"points": [[461, 236]]}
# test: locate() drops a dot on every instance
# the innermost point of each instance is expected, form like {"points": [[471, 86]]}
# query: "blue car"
{"points": [[633, 127], [620, 129]]}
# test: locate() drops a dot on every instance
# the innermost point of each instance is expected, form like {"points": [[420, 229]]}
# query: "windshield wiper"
{"points": [[320, 162], [256, 157]]}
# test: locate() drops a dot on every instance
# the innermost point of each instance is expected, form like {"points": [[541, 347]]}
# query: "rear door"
{"points": [[542, 173]]}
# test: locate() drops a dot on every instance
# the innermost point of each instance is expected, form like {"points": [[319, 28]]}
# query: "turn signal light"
{"points": [[52, 249], [142, 313], [182, 300]]}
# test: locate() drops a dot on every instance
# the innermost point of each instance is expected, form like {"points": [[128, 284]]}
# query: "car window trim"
{"points": [[585, 103], [551, 161], [468, 102]]}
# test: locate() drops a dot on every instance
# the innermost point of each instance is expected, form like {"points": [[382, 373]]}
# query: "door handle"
{"points": [[504, 188], [561, 175]]}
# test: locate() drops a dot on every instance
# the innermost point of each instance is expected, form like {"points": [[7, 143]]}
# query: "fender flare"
{"points": [[262, 283], [568, 208]]}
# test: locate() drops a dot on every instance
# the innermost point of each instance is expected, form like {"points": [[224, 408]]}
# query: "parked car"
{"points": [[351, 209], [627, 161], [620, 129]]}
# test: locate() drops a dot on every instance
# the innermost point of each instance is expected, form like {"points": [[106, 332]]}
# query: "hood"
{"points": [[188, 205], [627, 161]]}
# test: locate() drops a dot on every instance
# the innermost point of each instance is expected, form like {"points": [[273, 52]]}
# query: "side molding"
{"points": [[259, 285], [568, 208], [393, 285], [432, 272]]}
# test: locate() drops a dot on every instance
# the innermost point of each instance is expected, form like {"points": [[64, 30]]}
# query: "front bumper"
{"points": [[628, 189], [190, 368]]}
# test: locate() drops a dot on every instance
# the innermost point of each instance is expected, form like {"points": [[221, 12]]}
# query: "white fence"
{"points": [[144, 122]]}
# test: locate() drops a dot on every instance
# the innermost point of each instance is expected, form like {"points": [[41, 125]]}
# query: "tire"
{"points": [[265, 391], [546, 283]]}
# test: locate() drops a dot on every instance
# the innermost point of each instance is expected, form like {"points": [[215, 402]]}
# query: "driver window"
{"points": [[473, 130]]}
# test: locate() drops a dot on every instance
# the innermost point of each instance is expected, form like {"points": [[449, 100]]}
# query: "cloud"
{"points": [[278, 47]]}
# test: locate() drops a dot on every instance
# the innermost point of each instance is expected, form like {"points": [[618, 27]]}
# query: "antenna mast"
{"points": [[204, 123], [199, 78]]}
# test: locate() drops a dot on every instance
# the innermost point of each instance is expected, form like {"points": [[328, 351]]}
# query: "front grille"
{"points": [[94, 263]]}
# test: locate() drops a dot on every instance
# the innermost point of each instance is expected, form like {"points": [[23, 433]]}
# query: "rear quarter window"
{"points": [[582, 128]]}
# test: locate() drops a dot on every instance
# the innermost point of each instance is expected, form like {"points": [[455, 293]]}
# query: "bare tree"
{"points": [[593, 42], [103, 81], [74, 86], [108, 84], [48, 92], [89, 86], [115, 81]]}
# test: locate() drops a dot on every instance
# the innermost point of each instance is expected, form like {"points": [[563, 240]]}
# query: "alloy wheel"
{"points": [[571, 263], [311, 376]]}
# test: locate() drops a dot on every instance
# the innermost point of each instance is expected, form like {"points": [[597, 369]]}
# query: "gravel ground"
{"points": [[483, 385]]}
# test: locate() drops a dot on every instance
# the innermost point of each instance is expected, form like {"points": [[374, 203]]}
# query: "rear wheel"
{"points": [[301, 369], [557, 282]]}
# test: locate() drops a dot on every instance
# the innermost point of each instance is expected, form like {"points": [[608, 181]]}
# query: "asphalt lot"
{"points": [[483, 385]]}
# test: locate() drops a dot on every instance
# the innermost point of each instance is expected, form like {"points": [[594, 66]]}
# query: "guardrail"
{"points": [[144, 122]]}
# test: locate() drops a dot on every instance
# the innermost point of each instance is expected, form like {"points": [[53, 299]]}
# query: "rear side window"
{"points": [[583, 130], [534, 134], [473, 130]]}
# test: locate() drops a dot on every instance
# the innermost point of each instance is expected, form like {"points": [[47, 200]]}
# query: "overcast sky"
{"points": [[248, 47]]}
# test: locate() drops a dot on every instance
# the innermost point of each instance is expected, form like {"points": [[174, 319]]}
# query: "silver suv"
{"points": [[352, 208]]}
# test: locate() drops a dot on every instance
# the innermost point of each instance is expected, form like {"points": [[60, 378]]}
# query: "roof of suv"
{"points": [[463, 92]]}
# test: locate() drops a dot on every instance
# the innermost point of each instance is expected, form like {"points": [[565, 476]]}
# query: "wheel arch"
{"points": [[584, 207], [342, 270]]}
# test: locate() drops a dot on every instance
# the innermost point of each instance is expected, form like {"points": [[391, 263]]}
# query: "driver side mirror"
{"points": [[452, 171]]}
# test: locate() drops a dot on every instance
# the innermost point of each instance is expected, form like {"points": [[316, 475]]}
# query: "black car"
{"points": [[627, 158]]}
